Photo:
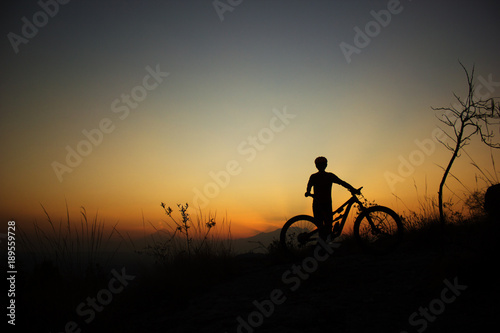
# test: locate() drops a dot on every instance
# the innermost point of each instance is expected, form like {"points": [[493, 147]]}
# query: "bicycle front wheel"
{"points": [[378, 229], [299, 234]]}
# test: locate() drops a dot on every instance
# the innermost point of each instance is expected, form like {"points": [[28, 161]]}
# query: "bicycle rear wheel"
{"points": [[299, 234], [378, 230]]}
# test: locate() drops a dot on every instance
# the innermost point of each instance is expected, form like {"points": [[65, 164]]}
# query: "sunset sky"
{"points": [[118, 106]]}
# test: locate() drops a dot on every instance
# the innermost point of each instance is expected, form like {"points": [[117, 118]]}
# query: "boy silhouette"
{"points": [[322, 182]]}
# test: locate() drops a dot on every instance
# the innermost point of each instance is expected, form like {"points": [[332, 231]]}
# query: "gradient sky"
{"points": [[227, 80]]}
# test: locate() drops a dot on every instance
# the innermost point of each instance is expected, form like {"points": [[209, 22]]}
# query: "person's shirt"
{"points": [[322, 183]]}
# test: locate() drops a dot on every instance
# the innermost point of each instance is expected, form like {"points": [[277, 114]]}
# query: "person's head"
{"points": [[321, 163]]}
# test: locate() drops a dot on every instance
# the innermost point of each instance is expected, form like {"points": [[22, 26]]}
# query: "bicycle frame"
{"points": [[348, 204]]}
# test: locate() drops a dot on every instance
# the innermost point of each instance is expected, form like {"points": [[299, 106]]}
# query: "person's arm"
{"points": [[352, 189], [346, 185]]}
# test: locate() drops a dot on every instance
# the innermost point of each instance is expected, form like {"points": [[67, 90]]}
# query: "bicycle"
{"points": [[377, 229]]}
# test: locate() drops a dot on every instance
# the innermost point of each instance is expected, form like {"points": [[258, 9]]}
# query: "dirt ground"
{"points": [[433, 290]]}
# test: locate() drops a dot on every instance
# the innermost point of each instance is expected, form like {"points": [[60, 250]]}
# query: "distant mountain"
{"points": [[257, 243]]}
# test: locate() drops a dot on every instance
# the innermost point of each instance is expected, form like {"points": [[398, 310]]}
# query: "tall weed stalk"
{"points": [[75, 248], [187, 239]]}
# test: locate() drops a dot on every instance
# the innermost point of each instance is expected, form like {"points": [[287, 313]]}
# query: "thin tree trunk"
{"points": [[442, 218]]}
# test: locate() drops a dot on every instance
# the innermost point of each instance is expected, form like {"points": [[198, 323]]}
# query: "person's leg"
{"points": [[328, 216], [322, 215]]}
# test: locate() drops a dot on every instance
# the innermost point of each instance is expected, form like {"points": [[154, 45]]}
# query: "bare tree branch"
{"points": [[469, 117]]}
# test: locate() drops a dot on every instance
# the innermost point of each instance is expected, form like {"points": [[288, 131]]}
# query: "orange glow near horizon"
{"points": [[250, 210]]}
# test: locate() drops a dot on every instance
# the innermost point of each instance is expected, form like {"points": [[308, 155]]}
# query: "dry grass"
{"points": [[187, 240], [76, 248]]}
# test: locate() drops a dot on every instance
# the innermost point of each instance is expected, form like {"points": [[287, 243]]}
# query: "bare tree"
{"points": [[470, 116]]}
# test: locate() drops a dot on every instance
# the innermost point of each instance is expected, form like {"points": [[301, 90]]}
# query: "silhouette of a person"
{"points": [[321, 182]]}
